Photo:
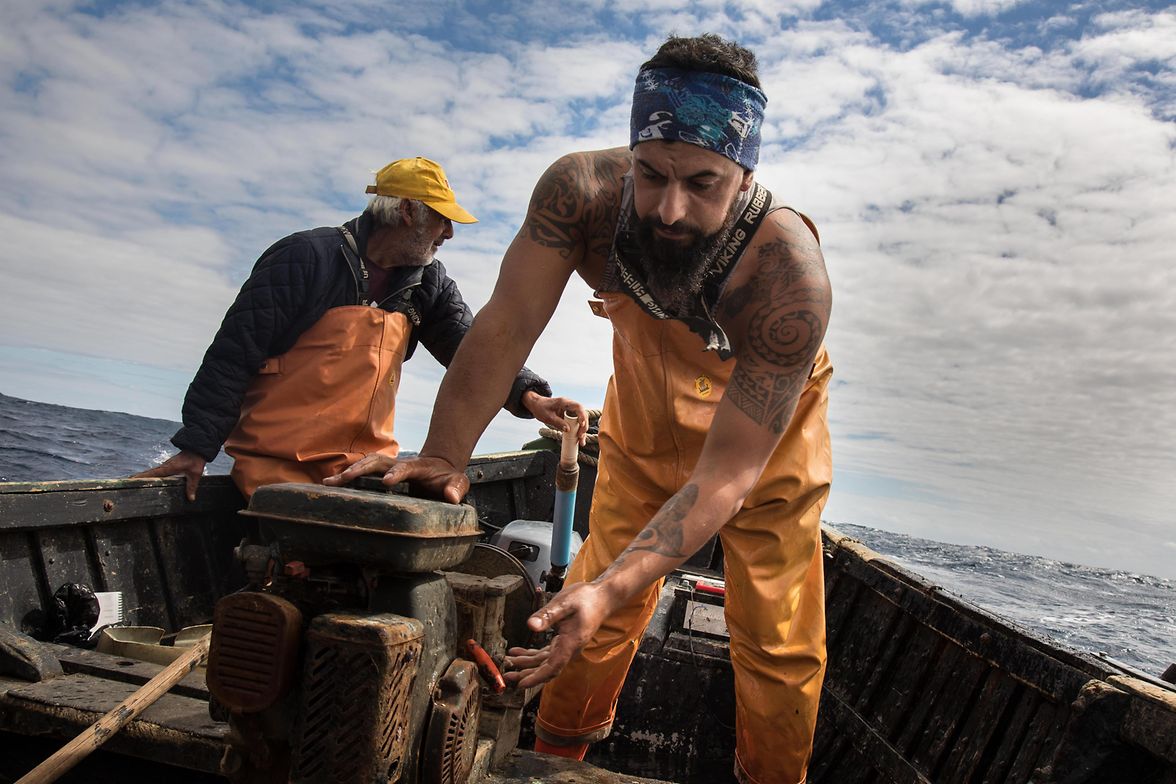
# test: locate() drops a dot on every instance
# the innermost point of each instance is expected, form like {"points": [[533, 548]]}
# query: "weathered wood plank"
{"points": [[1151, 718], [952, 708], [983, 724], [924, 714], [831, 750], [65, 559], [1014, 729], [681, 725], [840, 604], [864, 752], [859, 647], [186, 553], [524, 498], [28, 505], [23, 753], [124, 670], [905, 686], [887, 661], [21, 583], [873, 659], [1038, 742], [528, 767], [175, 729], [127, 557], [511, 465]]}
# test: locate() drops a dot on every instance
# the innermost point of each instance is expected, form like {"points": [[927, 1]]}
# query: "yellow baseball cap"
{"points": [[424, 180]]}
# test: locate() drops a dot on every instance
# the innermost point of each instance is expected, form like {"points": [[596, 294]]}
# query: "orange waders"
{"points": [[657, 411], [325, 403]]}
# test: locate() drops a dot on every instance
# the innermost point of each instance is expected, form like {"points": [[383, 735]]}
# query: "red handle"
{"points": [[486, 666], [705, 587]]}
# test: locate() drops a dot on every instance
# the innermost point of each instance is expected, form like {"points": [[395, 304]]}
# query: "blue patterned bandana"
{"points": [[716, 112]]}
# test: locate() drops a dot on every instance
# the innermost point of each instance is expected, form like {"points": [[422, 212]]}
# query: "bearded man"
{"points": [[714, 420]]}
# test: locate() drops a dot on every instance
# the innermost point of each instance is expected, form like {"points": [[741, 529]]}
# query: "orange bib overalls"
{"points": [[323, 404], [658, 408]]}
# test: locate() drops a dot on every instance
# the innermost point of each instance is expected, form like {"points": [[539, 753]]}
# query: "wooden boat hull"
{"points": [[921, 686]]}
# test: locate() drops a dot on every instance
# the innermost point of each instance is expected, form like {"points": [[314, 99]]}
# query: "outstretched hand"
{"points": [[550, 411], [575, 614], [435, 476], [186, 464]]}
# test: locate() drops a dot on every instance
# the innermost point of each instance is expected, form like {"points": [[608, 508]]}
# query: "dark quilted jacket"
{"points": [[292, 285]]}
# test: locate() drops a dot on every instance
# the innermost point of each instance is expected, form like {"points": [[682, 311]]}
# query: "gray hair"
{"points": [[385, 210]]}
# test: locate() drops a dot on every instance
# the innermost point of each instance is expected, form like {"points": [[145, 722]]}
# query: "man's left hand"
{"points": [[435, 477], [550, 411], [575, 614]]}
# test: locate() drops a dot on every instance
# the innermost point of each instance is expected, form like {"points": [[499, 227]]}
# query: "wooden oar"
{"points": [[100, 731]]}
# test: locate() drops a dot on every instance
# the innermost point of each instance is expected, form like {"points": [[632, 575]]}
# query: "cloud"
{"points": [[992, 202], [1003, 305]]}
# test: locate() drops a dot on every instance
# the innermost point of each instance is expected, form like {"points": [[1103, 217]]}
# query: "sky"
{"points": [[993, 181]]}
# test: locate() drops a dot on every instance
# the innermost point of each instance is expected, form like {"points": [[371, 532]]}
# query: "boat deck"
{"points": [[528, 767]]}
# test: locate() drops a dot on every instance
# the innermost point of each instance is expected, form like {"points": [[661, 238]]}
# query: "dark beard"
{"points": [[676, 272]]}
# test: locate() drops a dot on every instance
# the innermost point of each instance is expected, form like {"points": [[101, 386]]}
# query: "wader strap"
{"points": [[741, 233], [362, 278]]}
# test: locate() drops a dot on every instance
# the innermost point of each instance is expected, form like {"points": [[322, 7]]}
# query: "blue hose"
{"points": [[566, 479], [561, 536]]}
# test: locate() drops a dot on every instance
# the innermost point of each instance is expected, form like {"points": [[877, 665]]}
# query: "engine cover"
{"points": [[452, 739], [254, 650], [357, 680]]}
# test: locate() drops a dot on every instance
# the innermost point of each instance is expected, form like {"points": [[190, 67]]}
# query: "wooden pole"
{"points": [[100, 731]]}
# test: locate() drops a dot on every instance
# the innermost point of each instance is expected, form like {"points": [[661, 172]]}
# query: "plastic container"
{"points": [[530, 542], [144, 642]]}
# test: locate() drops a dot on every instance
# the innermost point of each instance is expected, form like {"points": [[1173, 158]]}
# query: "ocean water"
{"points": [[40, 441], [1130, 617]]}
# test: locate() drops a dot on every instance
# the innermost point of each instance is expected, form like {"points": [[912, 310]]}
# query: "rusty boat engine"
{"points": [[351, 656]]}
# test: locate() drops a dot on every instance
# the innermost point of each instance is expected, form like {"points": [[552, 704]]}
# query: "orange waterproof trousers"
{"points": [[657, 411], [325, 403]]}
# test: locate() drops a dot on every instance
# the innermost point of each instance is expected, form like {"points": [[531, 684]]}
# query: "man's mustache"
{"points": [[678, 227]]}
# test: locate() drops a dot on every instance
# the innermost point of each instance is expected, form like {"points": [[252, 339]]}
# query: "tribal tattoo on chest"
{"points": [[786, 309]]}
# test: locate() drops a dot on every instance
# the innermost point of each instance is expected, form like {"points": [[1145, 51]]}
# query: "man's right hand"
{"points": [[576, 613], [434, 476], [186, 464]]}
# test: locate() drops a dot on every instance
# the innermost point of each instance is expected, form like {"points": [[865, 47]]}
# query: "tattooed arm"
{"points": [[559, 228], [775, 311]]}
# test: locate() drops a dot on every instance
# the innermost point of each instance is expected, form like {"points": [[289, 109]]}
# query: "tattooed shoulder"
{"points": [[570, 200]]}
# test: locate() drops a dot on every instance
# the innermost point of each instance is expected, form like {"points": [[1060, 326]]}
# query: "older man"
{"points": [[714, 419], [301, 379]]}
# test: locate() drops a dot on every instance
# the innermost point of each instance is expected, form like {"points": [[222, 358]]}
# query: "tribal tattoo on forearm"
{"points": [[574, 203], [786, 315], [663, 535]]}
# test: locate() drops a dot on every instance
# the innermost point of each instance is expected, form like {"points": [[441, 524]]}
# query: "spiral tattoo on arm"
{"points": [[787, 305]]}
